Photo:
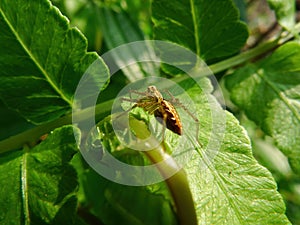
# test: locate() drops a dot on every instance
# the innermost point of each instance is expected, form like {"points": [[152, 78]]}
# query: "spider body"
{"points": [[168, 113], [154, 104]]}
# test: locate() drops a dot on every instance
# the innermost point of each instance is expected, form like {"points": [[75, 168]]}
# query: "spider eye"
{"points": [[151, 88]]}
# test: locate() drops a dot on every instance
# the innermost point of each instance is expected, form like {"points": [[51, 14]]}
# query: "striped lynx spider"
{"points": [[153, 102]]}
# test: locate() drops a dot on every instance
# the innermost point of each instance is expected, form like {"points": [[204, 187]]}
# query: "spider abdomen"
{"points": [[168, 113]]}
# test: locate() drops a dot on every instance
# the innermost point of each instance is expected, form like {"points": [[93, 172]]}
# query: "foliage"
{"points": [[245, 164]]}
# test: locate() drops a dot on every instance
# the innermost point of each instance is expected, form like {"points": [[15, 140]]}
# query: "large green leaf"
{"points": [[231, 187], [11, 122], [210, 28], [119, 30], [235, 189], [269, 92], [112, 202], [41, 60], [227, 183], [38, 185]]}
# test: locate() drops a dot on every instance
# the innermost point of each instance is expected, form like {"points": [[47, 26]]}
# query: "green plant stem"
{"points": [[244, 57], [32, 135], [233, 61], [253, 53], [24, 188], [177, 184]]}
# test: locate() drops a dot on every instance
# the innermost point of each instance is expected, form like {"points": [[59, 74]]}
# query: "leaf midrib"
{"points": [[196, 32], [123, 211], [219, 180], [24, 188], [34, 59], [222, 186]]}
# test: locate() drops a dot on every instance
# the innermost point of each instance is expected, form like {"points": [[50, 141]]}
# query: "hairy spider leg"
{"points": [[176, 101], [137, 92], [153, 103], [150, 105]]}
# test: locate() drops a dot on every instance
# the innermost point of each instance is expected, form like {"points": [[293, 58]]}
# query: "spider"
{"points": [[154, 103]]}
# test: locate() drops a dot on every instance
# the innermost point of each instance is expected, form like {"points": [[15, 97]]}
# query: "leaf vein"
{"points": [[34, 59], [281, 95]]}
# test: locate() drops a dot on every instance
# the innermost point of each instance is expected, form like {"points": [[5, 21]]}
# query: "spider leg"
{"points": [[129, 99], [138, 92], [169, 93], [150, 108], [164, 126], [194, 118], [126, 112], [176, 101]]}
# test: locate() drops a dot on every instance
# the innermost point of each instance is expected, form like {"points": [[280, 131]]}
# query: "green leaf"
{"points": [[83, 14], [210, 28], [268, 91], [118, 23], [234, 188], [41, 60], [112, 202], [38, 185], [285, 12], [227, 183], [119, 30], [241, 6], [11, 122], [231, 187]]}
